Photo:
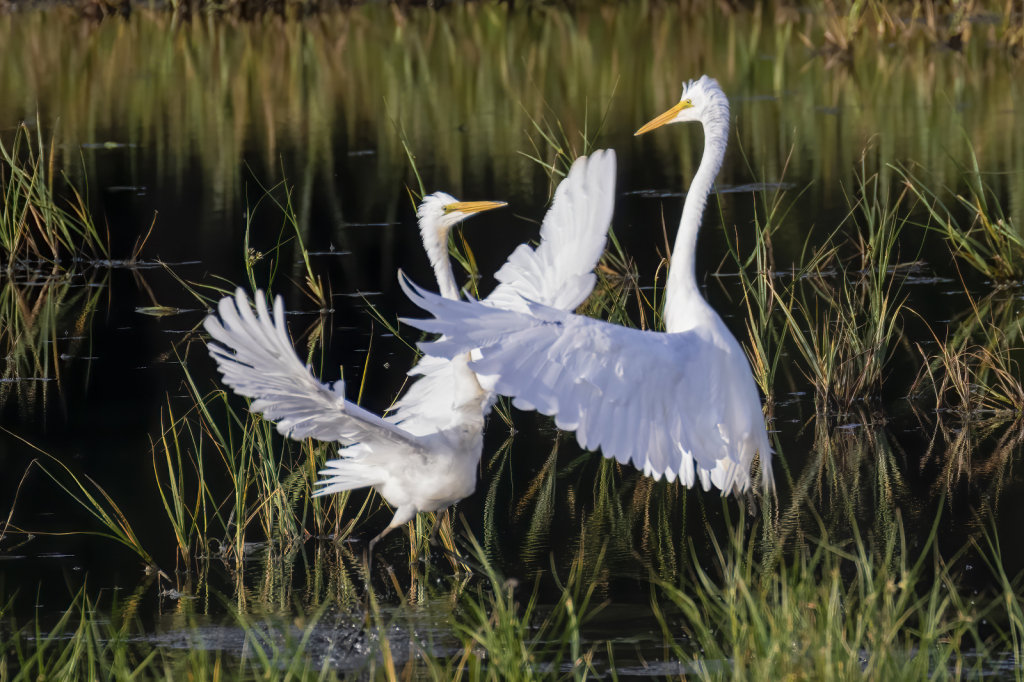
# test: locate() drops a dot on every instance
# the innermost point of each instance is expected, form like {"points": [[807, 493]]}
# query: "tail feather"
{"points": [[347, 474]]}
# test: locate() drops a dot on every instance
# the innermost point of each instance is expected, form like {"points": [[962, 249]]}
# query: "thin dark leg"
{"points": [[373, 543]]}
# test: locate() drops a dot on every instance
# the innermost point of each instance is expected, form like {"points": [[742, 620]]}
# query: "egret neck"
{"points": [[683, 298], [435, 241]]}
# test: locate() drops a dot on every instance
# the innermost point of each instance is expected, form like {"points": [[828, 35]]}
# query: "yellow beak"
{"points": [[667, 117], [471, 207]]}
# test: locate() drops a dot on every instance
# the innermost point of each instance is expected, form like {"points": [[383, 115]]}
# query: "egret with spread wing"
{"points": [[424, 456], [679, 403]]}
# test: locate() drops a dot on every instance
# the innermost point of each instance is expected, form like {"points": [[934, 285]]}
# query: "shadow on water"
{"points": [[271, 153]]}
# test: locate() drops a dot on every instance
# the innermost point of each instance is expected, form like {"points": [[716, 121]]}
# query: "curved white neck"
{"points": [[445, 275], [465, 389], [682, 294], [434, 233]]}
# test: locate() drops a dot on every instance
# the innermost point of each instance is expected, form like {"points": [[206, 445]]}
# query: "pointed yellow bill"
{"points": [[471, 207], [667, 117]]}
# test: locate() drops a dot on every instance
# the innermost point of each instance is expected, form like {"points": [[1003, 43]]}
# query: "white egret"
{"points": [[423, 457], [680, 403]]}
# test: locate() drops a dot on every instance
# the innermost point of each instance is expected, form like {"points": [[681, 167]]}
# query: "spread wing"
{"points": [[679, 404], [430, 399], [257, 360], [558, 273]]}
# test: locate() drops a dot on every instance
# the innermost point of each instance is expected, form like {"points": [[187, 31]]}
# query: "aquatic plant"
{"points": [[835, 612], [92, 499], [852, 321], [989, 242], [31, 221], [890, 608], [970, 378]]}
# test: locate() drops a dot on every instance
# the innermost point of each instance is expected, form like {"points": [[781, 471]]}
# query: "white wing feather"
{"points": [[558, 273], [680, 404], [264, 366], [429, 401]]}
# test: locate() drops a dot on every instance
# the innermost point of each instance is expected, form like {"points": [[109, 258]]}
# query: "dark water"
{"points": [[188, 126]]}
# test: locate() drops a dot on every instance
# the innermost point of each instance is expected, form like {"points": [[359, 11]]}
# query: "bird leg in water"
{"points": [[373, 542], [402, 516]]}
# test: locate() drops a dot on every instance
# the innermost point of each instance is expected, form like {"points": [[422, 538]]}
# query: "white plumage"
{"points": [[424, 456], [558, 273], [680, 403]]}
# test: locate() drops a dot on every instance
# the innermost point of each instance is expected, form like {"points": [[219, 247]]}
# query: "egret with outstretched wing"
{"points": [[677, 403], [424, 456]]}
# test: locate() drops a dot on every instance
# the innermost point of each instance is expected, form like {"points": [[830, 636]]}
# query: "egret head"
{"points": [[699, 98], [437, 213], [440, 211]]}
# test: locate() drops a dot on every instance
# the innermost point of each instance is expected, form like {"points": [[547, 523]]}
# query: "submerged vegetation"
{"points": [[883, 555]]}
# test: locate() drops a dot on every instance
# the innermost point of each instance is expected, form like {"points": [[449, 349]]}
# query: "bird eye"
{"points": [[689, 102]]}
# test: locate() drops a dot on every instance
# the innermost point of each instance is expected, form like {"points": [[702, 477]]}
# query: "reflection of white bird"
{"points": [[681, 403], [424, 456]]}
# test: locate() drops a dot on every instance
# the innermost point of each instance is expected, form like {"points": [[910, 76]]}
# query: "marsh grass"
{"points": [[889, 608], [31, 221], [837, 611], [988, 241], [503, 633], [92, 498], [271, 485], [851, 322], [520, 643], [183, 515], [271, 482], [975, 368], [1010, 627], [972, 378], [85, 644], [766, 330], [765, 335]]}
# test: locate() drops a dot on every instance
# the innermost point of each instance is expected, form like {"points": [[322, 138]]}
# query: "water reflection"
{"points": [[45, 324], [464, 86]]}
